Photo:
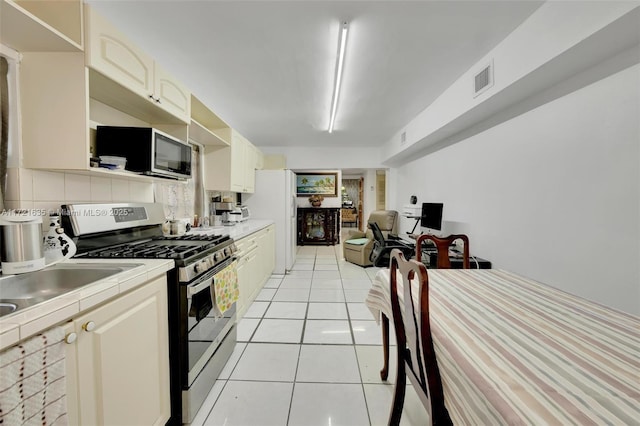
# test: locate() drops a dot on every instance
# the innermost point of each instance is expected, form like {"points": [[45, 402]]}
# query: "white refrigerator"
{"points": [[275, 198]]}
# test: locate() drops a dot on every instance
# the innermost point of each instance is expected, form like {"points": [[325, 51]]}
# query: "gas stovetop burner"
{"points": [[195, 237], [148, 250], [160, 247]]}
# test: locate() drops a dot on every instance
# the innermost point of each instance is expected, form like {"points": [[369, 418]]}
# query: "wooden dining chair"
{"points": [[442, 246], [416, 354], [443, 262]]}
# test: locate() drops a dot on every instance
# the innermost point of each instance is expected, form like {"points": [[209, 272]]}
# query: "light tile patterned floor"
{"points": [[309, 353]]}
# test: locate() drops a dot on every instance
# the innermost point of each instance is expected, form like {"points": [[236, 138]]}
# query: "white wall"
{"points": [[534, 56], [553, 194], [328, 157]]}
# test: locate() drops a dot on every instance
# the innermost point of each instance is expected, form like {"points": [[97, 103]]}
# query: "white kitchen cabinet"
{"points": [[266, 252], [238, 163], [259, 160], [42, 26], [256, 261], [118, 366], [54, 113], [206, 127], [248, 290], [62, 101], [109, 52], [250, 157], [231, 168]]}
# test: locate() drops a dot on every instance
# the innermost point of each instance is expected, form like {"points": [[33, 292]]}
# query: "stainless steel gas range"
{"points": [[201, 342]]}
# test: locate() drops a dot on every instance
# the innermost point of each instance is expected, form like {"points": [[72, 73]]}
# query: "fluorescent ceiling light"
{"points": [[338, 80]]}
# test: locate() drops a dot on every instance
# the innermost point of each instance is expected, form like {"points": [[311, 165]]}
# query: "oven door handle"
{"points": [[191, 290]]}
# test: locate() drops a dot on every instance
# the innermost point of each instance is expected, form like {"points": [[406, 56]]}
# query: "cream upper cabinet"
{"points": [[238, 163], [121, 350], [62, 99], [206, 127], [42, 26], [54, 114], [171, 95], [113, 55], [249, 179], [231, 168]]}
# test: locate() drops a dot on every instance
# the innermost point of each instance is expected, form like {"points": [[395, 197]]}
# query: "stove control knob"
{"points": [[227, 251], [216, 257], [206, 263], [198, 268]]}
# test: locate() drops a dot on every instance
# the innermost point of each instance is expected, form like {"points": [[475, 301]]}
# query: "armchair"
{"points": [[358, 245]]}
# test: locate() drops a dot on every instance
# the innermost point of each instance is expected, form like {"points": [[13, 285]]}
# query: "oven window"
{"points": [[203, 333]]}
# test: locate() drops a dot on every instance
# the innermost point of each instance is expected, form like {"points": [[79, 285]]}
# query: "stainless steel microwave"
{"points": [[147, 150]]}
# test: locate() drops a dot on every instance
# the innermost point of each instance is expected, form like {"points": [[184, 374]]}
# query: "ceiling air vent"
{"points": [[483, 79], [403, 138]]}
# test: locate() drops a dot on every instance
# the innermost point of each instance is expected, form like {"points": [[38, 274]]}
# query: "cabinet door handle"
{"points": [[89, 326], [70, 338], [151, 97]]}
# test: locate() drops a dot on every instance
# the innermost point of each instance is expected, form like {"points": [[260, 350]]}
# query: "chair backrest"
{"points": [[387, 221], [377, 233], [442, 245], [413, 332]]}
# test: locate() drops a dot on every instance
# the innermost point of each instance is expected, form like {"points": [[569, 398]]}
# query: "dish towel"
{"points": [[32, 381], [224, 288]]}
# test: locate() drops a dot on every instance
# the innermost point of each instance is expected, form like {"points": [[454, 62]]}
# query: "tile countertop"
{"points": [[29, 321], [237, 231]]}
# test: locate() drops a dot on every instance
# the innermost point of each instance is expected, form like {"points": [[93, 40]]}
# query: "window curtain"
{"points": [[4, 126]]}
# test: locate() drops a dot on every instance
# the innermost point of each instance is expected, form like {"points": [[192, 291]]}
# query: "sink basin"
{"points": [[22, 291], [7, 308]]}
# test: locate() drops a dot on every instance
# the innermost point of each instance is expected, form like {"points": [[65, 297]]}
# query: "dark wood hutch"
{"points": [[320, 226]]}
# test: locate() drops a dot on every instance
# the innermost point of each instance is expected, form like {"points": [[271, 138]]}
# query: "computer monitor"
{"points": [[431, 216]]}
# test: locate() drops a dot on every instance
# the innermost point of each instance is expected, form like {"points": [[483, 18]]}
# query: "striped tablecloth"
{"points": [[513, 351]]}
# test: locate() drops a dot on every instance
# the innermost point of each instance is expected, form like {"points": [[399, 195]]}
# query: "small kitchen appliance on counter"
{"points": [[21, 243], [21, 238], [200, 341], [238, 214]]}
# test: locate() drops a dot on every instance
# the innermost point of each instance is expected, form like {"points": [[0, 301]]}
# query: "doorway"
{"points": [[351, 201], [366, 191], [381, 190]]}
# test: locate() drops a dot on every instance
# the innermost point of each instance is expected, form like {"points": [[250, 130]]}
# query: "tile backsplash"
{"points": [[48, 190], [177, 198]]}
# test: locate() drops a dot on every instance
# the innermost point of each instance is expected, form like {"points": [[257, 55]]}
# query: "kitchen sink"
{"points": [[7, 308], [25, 290]]}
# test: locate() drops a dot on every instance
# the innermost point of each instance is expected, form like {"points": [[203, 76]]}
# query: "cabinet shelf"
{"points": [[201, 134], [100, 171], [25, 32], [122, 174], [107, 91], [206, 127]]}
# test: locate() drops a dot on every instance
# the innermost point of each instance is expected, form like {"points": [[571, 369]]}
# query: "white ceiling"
{"points": [[267, 67]]}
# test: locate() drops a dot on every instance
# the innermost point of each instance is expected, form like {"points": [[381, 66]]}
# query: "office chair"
{"points": [[381, 252]]}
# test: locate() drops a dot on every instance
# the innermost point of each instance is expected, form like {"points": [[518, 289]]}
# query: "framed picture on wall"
{"points": [[325, 184]]}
